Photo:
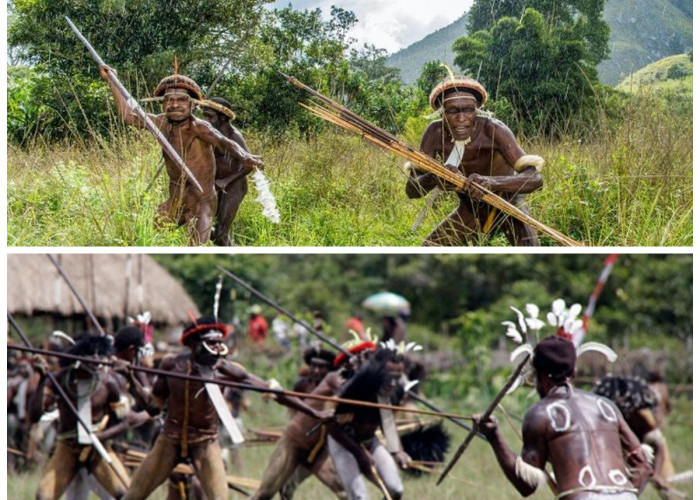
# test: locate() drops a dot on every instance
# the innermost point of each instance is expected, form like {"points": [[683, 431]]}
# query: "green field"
{"points": [[627, 184], [476, 475]]}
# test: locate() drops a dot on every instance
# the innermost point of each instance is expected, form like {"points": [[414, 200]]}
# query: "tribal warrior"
{"points": [[194, 140], [594, 454], [190, 431], [485, 151]]}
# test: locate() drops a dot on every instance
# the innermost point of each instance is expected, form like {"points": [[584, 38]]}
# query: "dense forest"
{"points": [[646, 302]]}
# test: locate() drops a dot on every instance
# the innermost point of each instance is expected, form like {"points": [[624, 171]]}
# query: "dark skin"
{"points": [[603, 444], [106, 392], [194, 140], [202, 415], [231, 182], [488, 160]]}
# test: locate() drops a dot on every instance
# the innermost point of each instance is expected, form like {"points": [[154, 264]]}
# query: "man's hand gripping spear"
{"points": [[167, 147]]}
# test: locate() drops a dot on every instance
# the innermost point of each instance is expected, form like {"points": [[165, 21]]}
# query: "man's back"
{"points": [[583, 436]]}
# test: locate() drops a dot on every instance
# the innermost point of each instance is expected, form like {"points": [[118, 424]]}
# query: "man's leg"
{"points": [[59, 472], [324, 470], [106, 476], [203, 220], [387, 469], [348, 470], [209, 469], [154, 469], [459, 228], [280, 468], [229, 202], [517, 232]]}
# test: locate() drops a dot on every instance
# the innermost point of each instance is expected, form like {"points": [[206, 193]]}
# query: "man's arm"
{"points": [[213, 137], [125, 111], [640, 470], [527, 168], [238, 374], [524, 471]]}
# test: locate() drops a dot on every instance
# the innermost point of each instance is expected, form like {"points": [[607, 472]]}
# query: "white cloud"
{"points": [[390, 24]]}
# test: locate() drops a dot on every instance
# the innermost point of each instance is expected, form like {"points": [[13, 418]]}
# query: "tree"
{"points": [[139, 39], [431, 74], [539, 55]]}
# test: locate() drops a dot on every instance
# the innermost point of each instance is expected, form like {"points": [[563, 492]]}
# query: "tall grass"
{"points": [[476, 476], [629, 185]]}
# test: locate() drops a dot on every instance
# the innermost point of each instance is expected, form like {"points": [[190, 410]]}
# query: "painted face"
{"points": [[210, 348], [460, 114], [177, 105]]}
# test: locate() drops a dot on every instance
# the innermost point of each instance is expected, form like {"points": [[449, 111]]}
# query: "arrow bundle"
{"points": [[329, 110]]}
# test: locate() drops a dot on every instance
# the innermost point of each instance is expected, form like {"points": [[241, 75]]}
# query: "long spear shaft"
{"points": [[306, 326], [487, 413], [379, 137], [95, 442], [279, 308], [167, 147], [87, 309], [238, 385]]}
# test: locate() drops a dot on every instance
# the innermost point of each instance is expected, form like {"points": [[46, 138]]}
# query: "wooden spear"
{"points": [[343, 117], [487, 413], [238, 385], [413, 395], [167, 147]]}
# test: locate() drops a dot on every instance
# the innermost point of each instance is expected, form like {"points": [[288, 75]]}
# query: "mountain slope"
{"points": [[436, 46], [641, 31]]}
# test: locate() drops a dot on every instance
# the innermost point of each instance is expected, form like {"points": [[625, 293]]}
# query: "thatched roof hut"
{"points": [[113, 286]]}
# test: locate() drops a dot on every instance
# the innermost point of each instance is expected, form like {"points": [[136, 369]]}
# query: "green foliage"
{"points": [[431, 74], [543, 67]]}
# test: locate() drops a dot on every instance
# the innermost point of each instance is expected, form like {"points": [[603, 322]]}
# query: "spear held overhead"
{"points": [[167, 147]]}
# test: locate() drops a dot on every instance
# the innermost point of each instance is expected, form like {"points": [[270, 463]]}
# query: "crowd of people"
{"points": [[183, 418]]}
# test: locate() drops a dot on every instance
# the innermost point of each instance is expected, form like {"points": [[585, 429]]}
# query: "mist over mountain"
{"points": [[641, 32]]}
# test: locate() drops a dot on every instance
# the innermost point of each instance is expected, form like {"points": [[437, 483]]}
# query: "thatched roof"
{"points": [[111, 285]]}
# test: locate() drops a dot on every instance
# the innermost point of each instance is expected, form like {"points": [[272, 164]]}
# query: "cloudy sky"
{"points": [[390, 24]]}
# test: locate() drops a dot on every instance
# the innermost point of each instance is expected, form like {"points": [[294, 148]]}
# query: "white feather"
{"points": [[520, 350], [574, 310], [558, 307], [532, 310], [534, 324], [265, 197], [552, 319], [597, 347], [521, 319]]}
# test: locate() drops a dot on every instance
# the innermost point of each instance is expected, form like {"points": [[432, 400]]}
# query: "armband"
{"points": [[121, 407], [532, 475], [529, 161], [655, 438]]}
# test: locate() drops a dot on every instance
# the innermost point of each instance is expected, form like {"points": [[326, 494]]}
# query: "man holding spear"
{"points": [[193, 410], [96, 395], [486, 152], [194, 141], [594, 454]]}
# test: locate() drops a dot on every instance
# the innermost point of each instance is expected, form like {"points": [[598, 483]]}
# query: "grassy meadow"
{"points": [[628, 185], [476, 476]]}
